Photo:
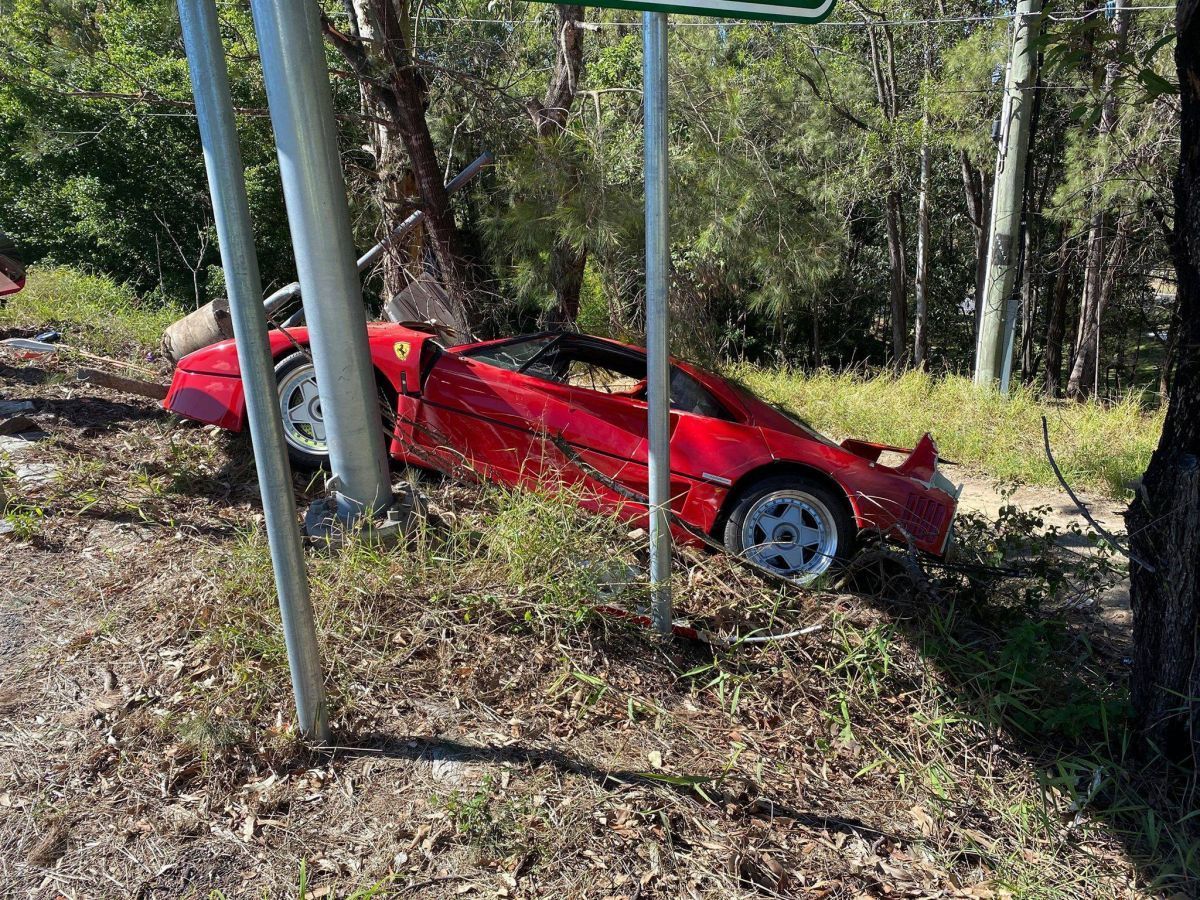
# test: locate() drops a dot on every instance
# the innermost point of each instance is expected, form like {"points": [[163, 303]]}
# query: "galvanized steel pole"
{"points": [[301, 105], [223, 160], [658, 263]]}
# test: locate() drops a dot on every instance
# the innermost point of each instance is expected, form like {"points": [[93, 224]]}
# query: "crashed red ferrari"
{"points": [[553, 409]]}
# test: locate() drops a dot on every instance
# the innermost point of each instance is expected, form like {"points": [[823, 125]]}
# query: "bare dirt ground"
{"points": [[486, 747], [986, 496]]}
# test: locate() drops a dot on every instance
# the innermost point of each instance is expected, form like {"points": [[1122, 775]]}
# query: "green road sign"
{"points": [[772, 10]]}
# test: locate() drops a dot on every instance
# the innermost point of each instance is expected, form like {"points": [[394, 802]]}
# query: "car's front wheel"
{"points": [[793, 525], [300, 408]]}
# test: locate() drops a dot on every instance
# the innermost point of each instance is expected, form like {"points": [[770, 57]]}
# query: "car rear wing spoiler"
{"points": [[921, 462]]}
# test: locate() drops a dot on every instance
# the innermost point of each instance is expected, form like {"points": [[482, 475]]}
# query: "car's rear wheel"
{"points": [[793, 525]]}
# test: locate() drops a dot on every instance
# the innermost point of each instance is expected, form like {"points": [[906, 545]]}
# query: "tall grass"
{"points": [[93, 311], [1101, 447]]}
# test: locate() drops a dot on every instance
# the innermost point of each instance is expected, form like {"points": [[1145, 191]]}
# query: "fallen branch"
{"points": [[124, 385], [1082, 507]]}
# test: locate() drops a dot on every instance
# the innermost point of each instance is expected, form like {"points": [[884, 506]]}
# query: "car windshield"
{"points": [[511, 354], [595, 366]]}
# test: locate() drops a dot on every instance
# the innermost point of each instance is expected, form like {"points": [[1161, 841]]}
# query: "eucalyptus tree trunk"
{"points": [[1100, 277], [921, 327], [568, 258], [898, 280], [1085, 370], [1029, 308], [1056, 318], [977, 187], [1164, 519], [379, 50], [883, 72]]}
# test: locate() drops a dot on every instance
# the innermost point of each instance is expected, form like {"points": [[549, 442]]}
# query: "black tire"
{"points": [[814, 517]]}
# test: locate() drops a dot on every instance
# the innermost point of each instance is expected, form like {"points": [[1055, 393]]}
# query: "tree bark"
{"points": [[1099, 280], [921, 327], [1085, 369], [1169, 351], [977, 187], [1082, 369], [1029, 307], [883, 71], [1056, 319], [898, 280], [1164, 519], [568, 258], [379, 51]]}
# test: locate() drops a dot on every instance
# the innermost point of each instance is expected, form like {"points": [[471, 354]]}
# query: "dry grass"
{"points": [[92, 311], [495, 736]]}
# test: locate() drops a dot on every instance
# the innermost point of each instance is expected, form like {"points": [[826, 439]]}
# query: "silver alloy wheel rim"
{"points": [[300, 406], [792, 533]]}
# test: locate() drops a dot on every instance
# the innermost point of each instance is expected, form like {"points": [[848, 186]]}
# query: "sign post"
{"points": [[231, 211], [658, 250], [658, 277]]}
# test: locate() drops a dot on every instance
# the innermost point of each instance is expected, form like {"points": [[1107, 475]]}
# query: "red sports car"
{"points": [[551, 409]]}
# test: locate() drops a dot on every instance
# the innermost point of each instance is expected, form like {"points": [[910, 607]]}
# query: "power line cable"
{"points": [[727, 23]]}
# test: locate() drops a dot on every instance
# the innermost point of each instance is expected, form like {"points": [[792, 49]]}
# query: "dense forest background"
{"points": [[801, 159]]}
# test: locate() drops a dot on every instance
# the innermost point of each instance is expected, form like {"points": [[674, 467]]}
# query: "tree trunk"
{"points": [[1056, 319], [898, 282], [393, 91], [883, 71], [977, 188], [1029, 307], [1085, 369], [920, 330], [568, 259], [1164, 519], [1169, 350]]}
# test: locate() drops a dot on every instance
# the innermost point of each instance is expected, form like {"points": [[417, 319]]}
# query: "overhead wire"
{"points": [[725, 23]]}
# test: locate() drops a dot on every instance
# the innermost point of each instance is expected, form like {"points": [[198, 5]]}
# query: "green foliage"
{"points": [[782, 153], [93, 311], [104, 168]]}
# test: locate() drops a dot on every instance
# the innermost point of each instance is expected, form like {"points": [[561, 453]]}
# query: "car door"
{"points": [[479, 411], [608, 428]]}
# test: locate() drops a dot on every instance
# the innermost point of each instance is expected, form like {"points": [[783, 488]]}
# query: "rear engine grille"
{"points": [[923, 517]]}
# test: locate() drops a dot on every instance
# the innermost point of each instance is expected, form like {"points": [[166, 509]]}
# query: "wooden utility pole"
{"points": [[997, 321]]}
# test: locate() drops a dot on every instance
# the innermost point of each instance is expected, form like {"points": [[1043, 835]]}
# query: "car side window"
{"points": [[690, 396], [603, 379]]}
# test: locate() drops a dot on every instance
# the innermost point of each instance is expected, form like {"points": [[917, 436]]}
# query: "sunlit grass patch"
{"points": [[1102, 447], [94, 312]]}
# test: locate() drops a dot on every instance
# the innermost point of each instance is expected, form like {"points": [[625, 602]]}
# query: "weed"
{"points": [[93, 311], [498, 828]]}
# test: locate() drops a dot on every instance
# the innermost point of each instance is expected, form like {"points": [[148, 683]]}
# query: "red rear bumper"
{"points": [[212, 399]]}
